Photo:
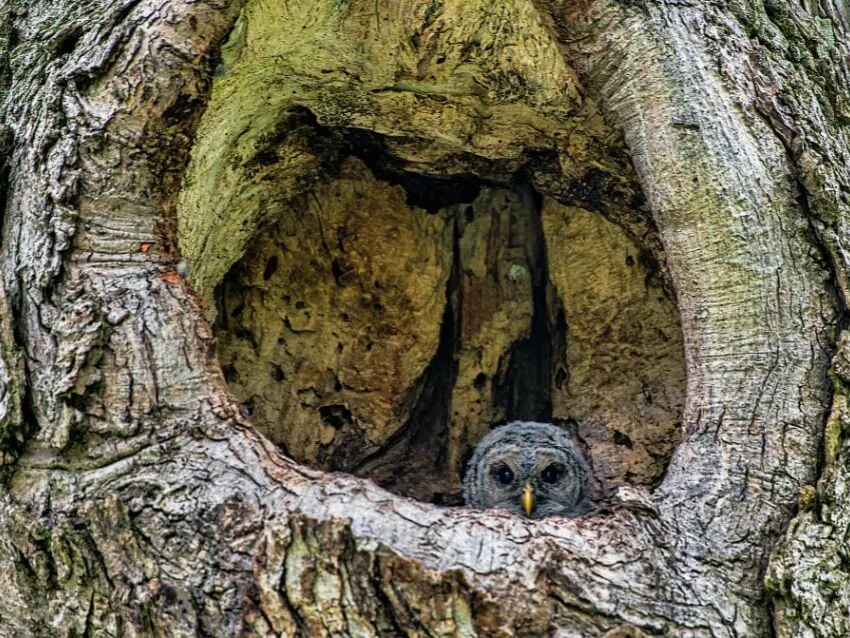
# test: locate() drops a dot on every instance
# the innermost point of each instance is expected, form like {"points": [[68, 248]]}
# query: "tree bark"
{"points": [[138, 499]]}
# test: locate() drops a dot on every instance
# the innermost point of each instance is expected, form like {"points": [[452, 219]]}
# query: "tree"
{"points": [[138, 496]]}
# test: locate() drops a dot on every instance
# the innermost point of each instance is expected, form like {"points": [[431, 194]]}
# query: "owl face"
{"points": [[530, 469]]}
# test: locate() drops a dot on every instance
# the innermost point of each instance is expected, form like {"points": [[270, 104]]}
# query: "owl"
{"points": [[528, 468]]}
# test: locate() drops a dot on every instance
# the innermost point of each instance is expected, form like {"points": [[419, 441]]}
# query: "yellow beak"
{"points": [[528, 499]]}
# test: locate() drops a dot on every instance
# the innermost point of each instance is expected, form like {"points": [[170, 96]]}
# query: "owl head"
{"points": [[530, 469]]}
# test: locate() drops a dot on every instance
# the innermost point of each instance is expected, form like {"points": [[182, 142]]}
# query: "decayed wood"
{"points": [[624, 363], [322, 321], [144, 503]]}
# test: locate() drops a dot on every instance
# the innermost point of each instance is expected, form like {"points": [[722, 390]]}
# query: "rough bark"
{"points": [[139, 500]]}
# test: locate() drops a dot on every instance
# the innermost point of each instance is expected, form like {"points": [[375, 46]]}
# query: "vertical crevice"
{"points": [[7, 147], [420, 445], [523, 389]]}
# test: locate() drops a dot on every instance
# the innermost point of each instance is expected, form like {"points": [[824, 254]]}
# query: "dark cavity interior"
{"points": [[391, 318]]}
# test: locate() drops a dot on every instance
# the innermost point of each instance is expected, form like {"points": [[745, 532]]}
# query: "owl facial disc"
{"points": [[531, 469]]}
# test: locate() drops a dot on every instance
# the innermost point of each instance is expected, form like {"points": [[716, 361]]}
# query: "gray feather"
{"points": [[532, 452]]}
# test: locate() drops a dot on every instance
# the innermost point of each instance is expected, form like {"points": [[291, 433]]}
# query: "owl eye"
{"points": [[503, 474], [553, 473]]}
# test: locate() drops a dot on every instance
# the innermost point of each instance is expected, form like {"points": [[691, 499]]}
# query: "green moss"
{"points": [[345, 69], [807, 498]]}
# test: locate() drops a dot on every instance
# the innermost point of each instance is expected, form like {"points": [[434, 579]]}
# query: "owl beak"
{"points": [[528, 499]]}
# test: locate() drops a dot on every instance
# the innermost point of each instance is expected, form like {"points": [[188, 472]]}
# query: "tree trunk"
{"points": [[139, 497]]}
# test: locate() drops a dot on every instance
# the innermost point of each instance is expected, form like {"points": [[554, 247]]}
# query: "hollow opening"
{"points": [[392, 317]]}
